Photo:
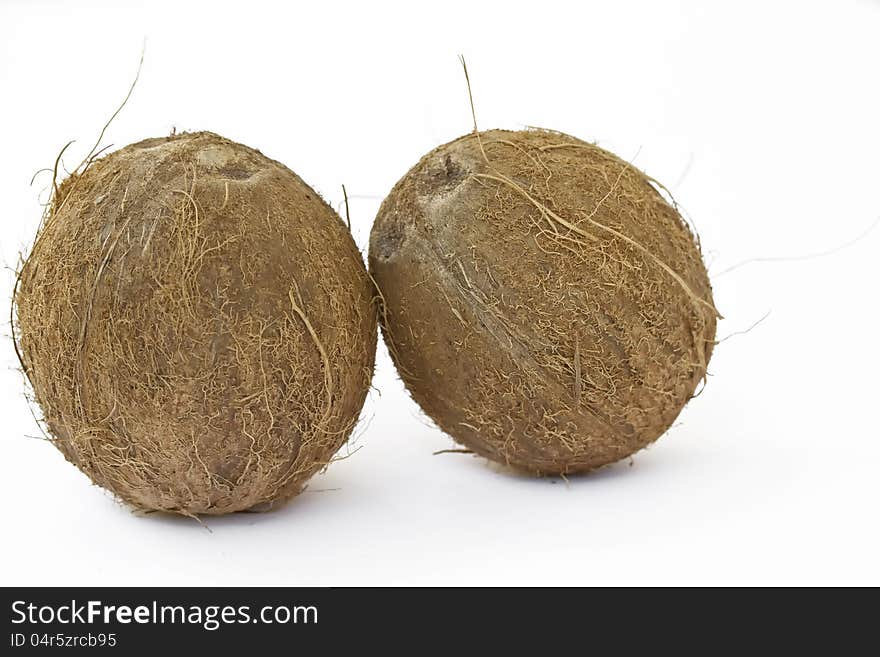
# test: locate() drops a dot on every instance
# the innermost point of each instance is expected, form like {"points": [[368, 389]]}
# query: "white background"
{"points": [[763, 118]]}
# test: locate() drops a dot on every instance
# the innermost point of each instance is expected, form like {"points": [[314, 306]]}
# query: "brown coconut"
{"points": [[544, 304], [197, 326]]}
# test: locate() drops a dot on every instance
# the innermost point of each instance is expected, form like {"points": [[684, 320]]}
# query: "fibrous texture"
{"points": [[197, 326], [543, 302]]}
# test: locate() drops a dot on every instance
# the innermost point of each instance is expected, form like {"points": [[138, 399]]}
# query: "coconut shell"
{"points": [[197, 326], [544, 304]]}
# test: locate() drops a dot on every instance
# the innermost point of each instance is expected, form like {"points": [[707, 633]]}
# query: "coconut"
{"points": [[543, 303], [197, 326]]}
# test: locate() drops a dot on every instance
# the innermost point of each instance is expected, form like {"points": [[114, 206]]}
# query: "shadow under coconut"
{"points": [[299, 504], [650, 460]]}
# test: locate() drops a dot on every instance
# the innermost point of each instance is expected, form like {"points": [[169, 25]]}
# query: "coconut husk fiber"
{"points": [[543, 302], [197, 326]]}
